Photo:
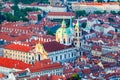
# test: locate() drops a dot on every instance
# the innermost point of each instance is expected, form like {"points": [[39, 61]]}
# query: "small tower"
{"points": [[71, 26], [77, 35]]}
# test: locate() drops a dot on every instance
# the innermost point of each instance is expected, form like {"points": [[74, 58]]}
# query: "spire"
{"points": [[71, 26], [63, 25], [77, 25]]}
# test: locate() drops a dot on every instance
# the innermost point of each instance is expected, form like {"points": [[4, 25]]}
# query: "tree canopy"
{"points": [[28, 1], [80, 13]]}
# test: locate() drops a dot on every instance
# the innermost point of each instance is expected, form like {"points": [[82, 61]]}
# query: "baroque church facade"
{"points": [[69, 35]]}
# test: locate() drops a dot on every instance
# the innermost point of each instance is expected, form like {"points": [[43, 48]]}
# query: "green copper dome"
{"points": [[63, 30]]}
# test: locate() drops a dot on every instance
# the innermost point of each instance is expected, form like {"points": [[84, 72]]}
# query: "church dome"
{"points": [[63, 30]]}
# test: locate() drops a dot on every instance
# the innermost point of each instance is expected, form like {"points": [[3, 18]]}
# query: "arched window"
{"points": [[60, 57], [76, 34], [65, 56], [69, 40], [64, 41], [39, 57], [79, 34], [56, 58]]}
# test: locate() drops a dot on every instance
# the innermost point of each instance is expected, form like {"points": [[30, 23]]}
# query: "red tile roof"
{"points": [[86, 71], [60, 14], [111, 75], [98, 48], [10, 63], [7, 37], [46, 77], [54, 46], [6, 10], [44, 65], [18, 47]]}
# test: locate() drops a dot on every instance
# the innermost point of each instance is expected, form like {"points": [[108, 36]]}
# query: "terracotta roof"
{"points": [[46, 77], [44, 65], [60, 14], [18, 47], [7, 37], [111, 75], [54, 46], [10, 63], [32, 17], [86, 71], [6, 10], [98, 48]]}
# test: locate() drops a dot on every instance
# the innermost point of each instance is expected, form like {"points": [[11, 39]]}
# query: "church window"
{"points": [[76, 34], [56, 58], [69, 40], [39, 57], [79, 34], [60, 56], [64, 41], [72, 55], [65, 56]]}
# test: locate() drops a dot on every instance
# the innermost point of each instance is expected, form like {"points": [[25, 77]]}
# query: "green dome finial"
{"points": [[77, 26], [63, 25], [71, 26]]}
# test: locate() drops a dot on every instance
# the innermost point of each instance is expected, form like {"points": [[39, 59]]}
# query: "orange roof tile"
{"points": [[10, 63], [44, 65], [19, 47]]}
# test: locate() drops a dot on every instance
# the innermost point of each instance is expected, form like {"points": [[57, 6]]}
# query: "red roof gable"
{"points": [[18, 47], [10, 63], [44, 65], [54, 46]]}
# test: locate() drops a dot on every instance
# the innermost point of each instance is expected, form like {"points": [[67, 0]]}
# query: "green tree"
{"points": [[29, 1], [111, 20], [75, 77], [39, 17], [119, 12], [10, 17], [99, 0], [113, 12], [104, 12], [2, 18], [84, 24], [49, 32], [80, 13], [98, 12]]}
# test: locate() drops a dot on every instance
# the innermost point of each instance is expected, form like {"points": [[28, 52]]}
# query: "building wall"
{"points": [[46, 8], [26, 57], [96, 53], [57, 71], [59, 17], [92, 8], [107, 59], [66, 55]]}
